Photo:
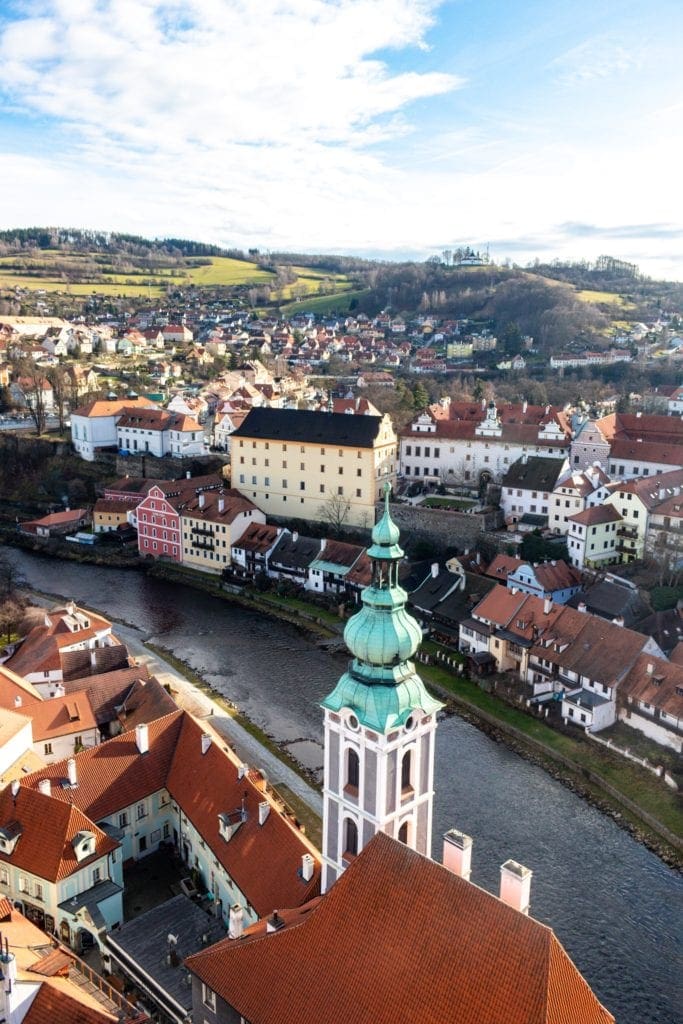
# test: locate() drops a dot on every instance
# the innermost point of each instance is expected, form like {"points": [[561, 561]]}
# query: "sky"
{"points": [[541, 129]]}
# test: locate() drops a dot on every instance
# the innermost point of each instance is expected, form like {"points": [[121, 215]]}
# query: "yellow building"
{"points": [[211, 521], [320, 466]]}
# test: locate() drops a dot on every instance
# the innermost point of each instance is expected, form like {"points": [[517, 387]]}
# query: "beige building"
{"points": [[319, 466], [211, 523]]}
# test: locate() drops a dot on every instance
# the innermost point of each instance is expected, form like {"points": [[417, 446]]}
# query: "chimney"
{"points": [[17, 701], [221, 505], [188, 475], [515, 884], [142, 737], [15, 788], [547, 606], [307, 867], [435, 570], [650, 668], [662, 493], [60, 690], [525, 459], [236, 926], [202, 501], [71, 771], [295, 537], [44, 787], [581, 607], [242, 770], [525, 405], [457, 853], [263, 811], [71, 607], [274, 923], [618, 621], [206, 742], [478, 557]]}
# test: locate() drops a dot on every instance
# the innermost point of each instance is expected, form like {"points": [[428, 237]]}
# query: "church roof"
{"points": [[398, 939]]}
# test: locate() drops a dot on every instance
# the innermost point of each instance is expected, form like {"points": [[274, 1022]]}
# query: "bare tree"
{"points": [[33, 385], [59, 380], [335, 512]]}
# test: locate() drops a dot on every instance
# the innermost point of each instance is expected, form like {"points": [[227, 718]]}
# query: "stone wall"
{"points": [[168, 467], [443, 526]]}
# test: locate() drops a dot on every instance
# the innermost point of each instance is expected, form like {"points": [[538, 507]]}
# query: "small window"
{"points": [[208, 997], [350, 838]]}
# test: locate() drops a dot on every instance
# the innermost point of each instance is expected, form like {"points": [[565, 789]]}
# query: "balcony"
{"points": [[204, 545], [205, 531], [630, 532]]}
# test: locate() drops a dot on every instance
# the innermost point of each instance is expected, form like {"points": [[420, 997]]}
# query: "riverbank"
{"points": [[628, 794]]}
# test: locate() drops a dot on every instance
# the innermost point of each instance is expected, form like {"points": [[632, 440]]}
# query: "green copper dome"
{"points": [[381, 685], [385, 534]]}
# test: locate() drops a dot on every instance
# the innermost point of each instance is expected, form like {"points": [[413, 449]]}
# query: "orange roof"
{"points": [[398, 939], [206, 785], [657, 682], [115, 774], [47, 828], [233, 505], [61, 716], [54, 1005], [101, 407], [596, 516], [12, 686]]}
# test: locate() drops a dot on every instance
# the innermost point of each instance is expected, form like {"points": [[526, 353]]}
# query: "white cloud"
{"points": [[282, 124], [595, 59]]}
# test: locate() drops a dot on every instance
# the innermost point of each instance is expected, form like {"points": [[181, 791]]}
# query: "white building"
{"points": [[470, 444], [93, 426]]}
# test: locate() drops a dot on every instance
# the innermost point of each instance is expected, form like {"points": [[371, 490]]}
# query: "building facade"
{"points": [[324, 467]]}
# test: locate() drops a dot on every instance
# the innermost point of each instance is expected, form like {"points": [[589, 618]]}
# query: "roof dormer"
{"points": [[9, 837], [84, 845]]}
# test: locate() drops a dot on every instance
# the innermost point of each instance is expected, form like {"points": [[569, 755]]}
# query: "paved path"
{"points": [[192, 699]]}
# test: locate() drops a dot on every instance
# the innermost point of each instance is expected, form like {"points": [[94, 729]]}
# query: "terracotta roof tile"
{"points": [[115, 774], [47, 827], [400, 939], [205, 785], [53, 1006], [60, 716]]}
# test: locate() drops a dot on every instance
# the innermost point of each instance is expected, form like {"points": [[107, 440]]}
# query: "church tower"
{"points": [[380, 723]]}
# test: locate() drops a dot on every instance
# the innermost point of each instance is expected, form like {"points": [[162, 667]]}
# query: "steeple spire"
{"points": [[379, 719]]}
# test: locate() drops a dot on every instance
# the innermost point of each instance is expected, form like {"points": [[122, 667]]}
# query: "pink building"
{"points": [[158, 515]]}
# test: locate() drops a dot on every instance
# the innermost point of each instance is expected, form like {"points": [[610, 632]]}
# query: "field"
{"points": [[339, 303], [85, 273], [605, 299]]}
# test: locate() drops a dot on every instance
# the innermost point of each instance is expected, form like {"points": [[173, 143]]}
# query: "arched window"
{"points": [[403, 833], [352, 769], [350, 838], [407, 770]]}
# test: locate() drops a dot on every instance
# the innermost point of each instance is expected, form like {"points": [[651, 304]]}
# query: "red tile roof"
{"points": [[53, 1006], [60, 716], [596, 515], [206, 785], [47, 827], [657, 682], [115, 774], [400, 939]]}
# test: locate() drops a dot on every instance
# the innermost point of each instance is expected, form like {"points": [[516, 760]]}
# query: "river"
{"points": [[612, 903]]}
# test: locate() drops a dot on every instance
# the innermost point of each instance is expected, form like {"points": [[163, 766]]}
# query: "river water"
{"points": [[614, 905]]}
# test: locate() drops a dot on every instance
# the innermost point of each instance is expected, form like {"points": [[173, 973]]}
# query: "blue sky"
{"points": [[382, 127]]}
